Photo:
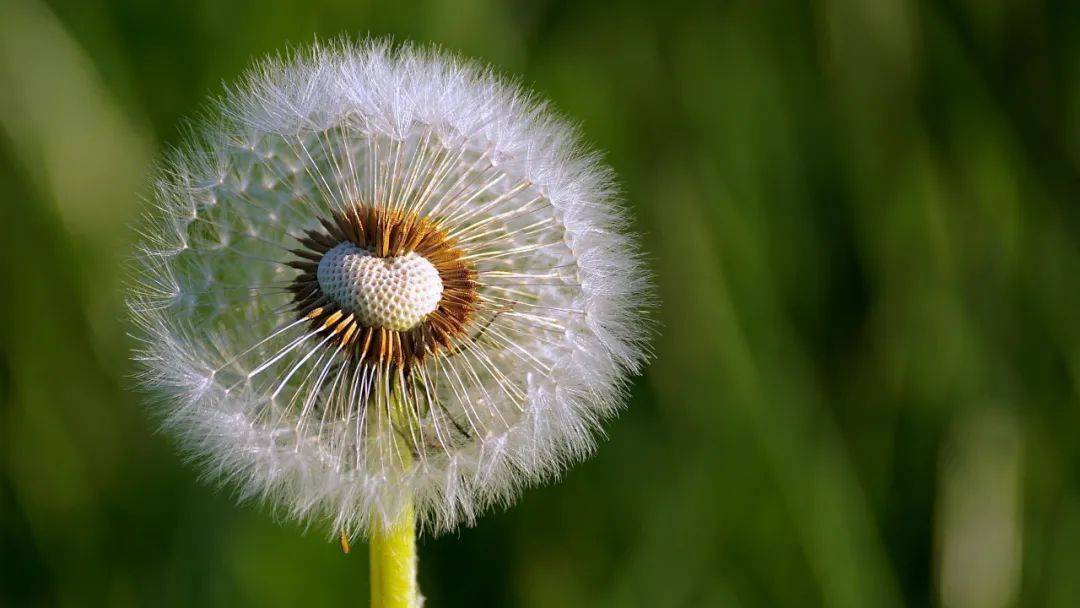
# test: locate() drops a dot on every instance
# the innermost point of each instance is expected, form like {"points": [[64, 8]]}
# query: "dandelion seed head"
{"points": [[379, 274]]}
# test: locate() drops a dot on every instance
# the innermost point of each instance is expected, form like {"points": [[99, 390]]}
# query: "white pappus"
{"points": [[377, 274]]}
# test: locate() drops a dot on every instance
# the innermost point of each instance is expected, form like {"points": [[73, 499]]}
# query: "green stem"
{"points": [[393, 564], [393, 547]]}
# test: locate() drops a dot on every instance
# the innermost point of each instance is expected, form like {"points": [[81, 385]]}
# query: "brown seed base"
{"points": [[386, 233]]}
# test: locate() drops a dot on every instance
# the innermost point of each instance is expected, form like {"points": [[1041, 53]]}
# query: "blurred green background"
{"points": [[863, 218]]}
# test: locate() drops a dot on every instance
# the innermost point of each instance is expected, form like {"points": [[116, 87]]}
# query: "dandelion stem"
{"points": [[393, 545], [393, 564]]}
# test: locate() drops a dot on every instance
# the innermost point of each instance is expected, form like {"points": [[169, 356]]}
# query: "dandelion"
{"points": [[381, 287]]}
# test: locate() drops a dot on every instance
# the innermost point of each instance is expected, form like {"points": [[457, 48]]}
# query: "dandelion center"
{"points": [[395, 292], [384, 286]]}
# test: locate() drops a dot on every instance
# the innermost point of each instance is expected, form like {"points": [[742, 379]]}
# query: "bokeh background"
{"points": [[863, 219]]}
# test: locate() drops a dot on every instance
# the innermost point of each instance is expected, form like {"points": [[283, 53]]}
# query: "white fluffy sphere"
{"points": [[381, 274]]}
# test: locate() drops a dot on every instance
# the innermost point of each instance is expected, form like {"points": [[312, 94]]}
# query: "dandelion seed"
{"points": [[382, 280]]}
